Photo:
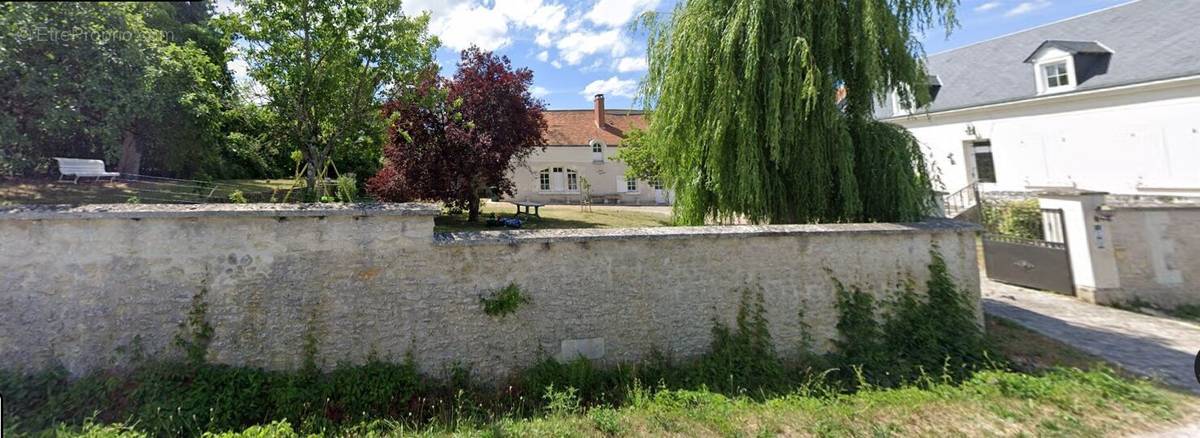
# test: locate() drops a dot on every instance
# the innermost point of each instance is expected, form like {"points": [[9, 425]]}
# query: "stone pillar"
{"points": [[1089, 243]]}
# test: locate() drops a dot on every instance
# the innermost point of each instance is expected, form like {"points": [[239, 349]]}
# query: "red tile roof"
{"points": [[578, 127]]}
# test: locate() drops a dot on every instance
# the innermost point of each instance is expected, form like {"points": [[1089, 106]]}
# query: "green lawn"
{"points": [[50, 191], [562, 216]]}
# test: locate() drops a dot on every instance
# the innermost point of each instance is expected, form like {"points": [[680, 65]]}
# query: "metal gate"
{"points": [[1036, 263]]}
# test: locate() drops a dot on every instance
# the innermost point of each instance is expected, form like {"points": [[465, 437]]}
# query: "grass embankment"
{"points": [[1050, 390], [561, 216]]}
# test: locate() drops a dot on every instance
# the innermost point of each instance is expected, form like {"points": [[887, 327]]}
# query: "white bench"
{"points": [[79, 167]]}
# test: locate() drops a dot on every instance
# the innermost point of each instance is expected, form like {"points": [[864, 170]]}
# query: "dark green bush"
{"points": [[936, 335]]}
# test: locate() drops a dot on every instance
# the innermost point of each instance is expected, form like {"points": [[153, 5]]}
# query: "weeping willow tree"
{"points": [[762, 109]]}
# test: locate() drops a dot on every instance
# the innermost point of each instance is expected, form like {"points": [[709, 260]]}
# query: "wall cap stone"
{"points": [[148, 211], [1148, 206], [930, 226]]}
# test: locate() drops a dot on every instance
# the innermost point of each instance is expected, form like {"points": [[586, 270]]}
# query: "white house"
{"points": [[581, 144], [1107, 101]]}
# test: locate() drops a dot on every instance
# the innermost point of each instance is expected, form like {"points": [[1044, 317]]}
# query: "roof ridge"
{"points": [[606, 110], [1104, 9]]}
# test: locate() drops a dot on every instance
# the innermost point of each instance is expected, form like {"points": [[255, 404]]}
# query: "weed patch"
{"points": [[504, 301]]}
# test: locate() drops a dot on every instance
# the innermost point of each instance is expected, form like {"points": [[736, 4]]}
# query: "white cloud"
{"points": [[615, 13], [1027, 7], [556, 64], [532, 13], [462, 23], [632, 64], [573, 25], [575, 46], [543, 56], [239, 67], [436, 8], [246, 85], [987, 6], [542, 39], [539, 92], [467, 25], [227, 7], [613, 86]]}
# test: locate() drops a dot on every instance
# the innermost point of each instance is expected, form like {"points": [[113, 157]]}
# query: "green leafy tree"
{"points": [[637, 156], [97, 80], [748, 120], [325, 64]]}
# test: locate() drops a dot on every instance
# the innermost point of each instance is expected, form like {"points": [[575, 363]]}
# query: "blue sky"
{"points": [[577, 48]]}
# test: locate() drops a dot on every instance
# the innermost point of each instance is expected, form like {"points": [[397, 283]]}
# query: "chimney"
{"points": [[599, 110]]}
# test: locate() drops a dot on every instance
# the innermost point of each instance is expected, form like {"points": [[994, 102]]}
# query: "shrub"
{"points": [[934, 335], [744, 358], [1014, 218], [347, 188], [237, 197]]}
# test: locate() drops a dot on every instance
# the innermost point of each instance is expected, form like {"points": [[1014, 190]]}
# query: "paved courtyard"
{"points": [[1161, 348]]}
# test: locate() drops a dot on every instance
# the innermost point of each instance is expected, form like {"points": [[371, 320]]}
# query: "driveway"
{"points": [[1160, 348]]}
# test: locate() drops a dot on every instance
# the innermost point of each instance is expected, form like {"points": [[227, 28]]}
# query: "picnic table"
{"points": [[523, 209]]}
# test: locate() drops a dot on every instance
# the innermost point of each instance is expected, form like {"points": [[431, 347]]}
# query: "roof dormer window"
{"points": [[1064, 65], [1056, 74]]}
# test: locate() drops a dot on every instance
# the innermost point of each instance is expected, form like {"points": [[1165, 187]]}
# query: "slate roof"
{"points": [[1072, 47], [1150, 40], [578, 127]]}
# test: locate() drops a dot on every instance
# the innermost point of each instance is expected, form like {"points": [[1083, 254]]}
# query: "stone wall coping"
{"points": [[1149, 206], [154, 211], [1058, 192], [930, 226]]}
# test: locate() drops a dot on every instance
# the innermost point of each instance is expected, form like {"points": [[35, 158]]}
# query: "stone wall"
{"points": [[1157, 252], [83, 286]]}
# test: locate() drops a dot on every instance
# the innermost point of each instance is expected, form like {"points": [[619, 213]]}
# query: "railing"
{"points": [[185, 191], [962, 200], [1024, 241]]}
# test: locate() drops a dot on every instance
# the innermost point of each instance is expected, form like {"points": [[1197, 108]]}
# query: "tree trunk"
{"points": [[310, 175], [473, 211], [131, 158]]}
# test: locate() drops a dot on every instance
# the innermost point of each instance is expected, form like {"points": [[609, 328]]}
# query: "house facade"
{"points": [[578, 161], [1107, 101]]}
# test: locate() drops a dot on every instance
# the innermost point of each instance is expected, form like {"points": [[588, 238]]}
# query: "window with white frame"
{"points": [[631, 184], [572, 181], [597, 150], [1056, 75], [558, 179]]}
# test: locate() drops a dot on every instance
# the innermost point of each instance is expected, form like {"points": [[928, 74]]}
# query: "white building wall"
{"points": [[1134, 140], [606, 176]]}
